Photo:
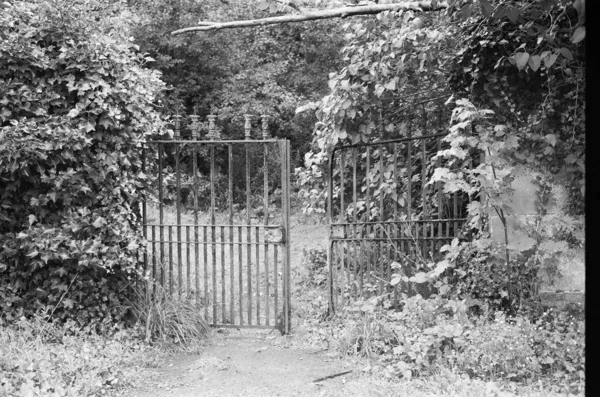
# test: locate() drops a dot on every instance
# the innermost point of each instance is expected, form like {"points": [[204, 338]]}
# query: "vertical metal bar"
{"points": [[231, 243], [205, 252], [330, 253], [355, 242], [161, 231], [223, 286], [154, 258], [144, 213], [438, 187], [395, 225], [424, 188], [381, 217], [257, 231], [213, 231], [455, 213], [286, 227], [342, 187], [170, 232], [240, 276], [368, 217], [266, 222], [196, 242], [276, 281], [188, 260], [248, 236], [178, 215]]}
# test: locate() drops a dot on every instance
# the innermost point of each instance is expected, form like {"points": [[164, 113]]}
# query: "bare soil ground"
{"points": [[250, 363]]}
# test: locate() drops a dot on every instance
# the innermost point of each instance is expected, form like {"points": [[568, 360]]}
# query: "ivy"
{"points": [[75, 107]]}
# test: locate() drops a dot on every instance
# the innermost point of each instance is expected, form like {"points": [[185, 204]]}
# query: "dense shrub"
{"points": [[75, 106]]}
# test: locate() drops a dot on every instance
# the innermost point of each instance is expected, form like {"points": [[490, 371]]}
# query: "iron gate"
{"points": [[217, 224], [383, 214]]}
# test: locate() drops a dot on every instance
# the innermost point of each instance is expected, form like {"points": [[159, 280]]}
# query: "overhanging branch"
{"points": [[314, 15]]}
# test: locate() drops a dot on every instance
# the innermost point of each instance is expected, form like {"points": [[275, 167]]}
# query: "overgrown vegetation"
{"points": [[76, 105], [445, 337], [40, 358], [78, 98]]}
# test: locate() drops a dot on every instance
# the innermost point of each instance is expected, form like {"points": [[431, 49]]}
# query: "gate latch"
{"points": [[274, 234]]}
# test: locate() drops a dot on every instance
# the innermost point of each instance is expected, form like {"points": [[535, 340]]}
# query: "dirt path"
{"points": [[249, 363]]}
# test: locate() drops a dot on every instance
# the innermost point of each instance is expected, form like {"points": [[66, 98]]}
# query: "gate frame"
{"points": [[331, 166], [283, 318]]}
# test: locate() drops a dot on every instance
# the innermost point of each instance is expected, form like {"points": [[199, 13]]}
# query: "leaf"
{"points": [[521, 58], [578, 34], [551, 138], [566, 53], [466, 11], [486, 8], [513, 14], [32, 219], [549, 61], [419, 278], [534, 62], [68, 303], [99, 222], [263, 5], [73, 113]]}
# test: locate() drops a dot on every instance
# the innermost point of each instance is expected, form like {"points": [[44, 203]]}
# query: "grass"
{"points": [[168, 320]]}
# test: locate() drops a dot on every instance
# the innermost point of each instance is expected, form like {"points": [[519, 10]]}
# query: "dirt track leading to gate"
{"points": [[257, 363], [252, 364]]}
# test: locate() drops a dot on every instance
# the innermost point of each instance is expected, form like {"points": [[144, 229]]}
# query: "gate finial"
{"points": [[247, 125], [265, 126], [212, 133], [177, 127], [195, 127]]}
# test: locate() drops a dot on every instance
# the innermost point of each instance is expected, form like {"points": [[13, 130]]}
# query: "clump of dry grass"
{"points": [[167, 319]]}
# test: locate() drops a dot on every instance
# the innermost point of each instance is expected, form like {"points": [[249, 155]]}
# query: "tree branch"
{"points": [[314, 15]]}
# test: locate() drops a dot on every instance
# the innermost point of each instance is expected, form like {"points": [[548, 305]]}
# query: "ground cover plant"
{"points": [[40, 358]]}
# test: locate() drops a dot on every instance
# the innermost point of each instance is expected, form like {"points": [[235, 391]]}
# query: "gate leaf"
{"points": [[534, 62], [486, 8], [578, 34], [566, 53], [521, 58]]}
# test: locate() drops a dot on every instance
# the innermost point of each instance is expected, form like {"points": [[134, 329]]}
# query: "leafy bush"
{"points": [[438, 334], [75, 107]]}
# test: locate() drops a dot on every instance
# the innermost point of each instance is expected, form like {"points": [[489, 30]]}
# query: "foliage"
{"points": [[40, 358], [429, 336], [525, 60], [268, 70], [76, 103], [315, 261]]}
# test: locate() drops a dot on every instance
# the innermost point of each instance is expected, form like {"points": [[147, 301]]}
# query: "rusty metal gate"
{"points": [[217, 223], [384, 217]]}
